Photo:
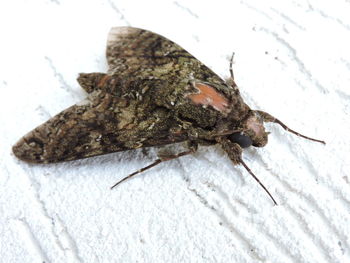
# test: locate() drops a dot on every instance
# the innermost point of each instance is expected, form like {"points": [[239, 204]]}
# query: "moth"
{"points": [[154, 93]]}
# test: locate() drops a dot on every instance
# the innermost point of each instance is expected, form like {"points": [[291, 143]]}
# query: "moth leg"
{"points": [[231, 68], [234, 152], [231, 80], [192, 148], [269, 118]]}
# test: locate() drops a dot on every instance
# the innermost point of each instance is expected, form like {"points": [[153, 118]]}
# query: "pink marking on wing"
{"points": [[208, 95]]}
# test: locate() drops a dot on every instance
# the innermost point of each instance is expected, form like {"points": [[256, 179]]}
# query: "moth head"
{"points": [[240, 138], [253, 132]]}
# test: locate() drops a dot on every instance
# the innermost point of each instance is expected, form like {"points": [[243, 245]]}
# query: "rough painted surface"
{"points": [[292, 59]]}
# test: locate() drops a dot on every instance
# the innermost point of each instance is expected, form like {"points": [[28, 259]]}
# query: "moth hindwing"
{"points": [[154, 93]]}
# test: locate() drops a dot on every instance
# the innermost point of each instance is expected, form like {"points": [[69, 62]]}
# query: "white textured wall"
{"points": [[292, 60]]}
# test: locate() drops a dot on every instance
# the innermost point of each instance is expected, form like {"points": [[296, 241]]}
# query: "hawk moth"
{"points": [[154, 93]]}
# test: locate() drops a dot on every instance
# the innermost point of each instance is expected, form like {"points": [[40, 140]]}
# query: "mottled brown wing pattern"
{"points": [[100, 124], [154, 94], [146, 55], [131, 49], [180, 82]]}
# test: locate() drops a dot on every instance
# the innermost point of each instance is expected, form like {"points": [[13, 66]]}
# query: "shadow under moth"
{"points": [[154, 93]]}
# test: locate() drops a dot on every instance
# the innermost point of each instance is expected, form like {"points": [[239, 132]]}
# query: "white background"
{"points": [[292, 60]]}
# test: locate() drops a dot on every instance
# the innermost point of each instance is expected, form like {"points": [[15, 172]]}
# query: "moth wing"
{"points": [[135, 55], [131, 50], [178, 81], [101, 124]]}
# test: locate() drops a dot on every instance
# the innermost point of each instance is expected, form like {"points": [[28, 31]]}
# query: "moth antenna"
{"points": [[256, 179], [156, 162], [269, 118]]}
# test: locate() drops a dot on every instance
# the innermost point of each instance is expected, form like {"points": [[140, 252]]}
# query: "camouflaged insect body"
{"points": [[154, 93]]}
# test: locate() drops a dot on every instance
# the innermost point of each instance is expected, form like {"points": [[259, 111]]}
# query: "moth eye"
{"points": [[243, 140]]}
